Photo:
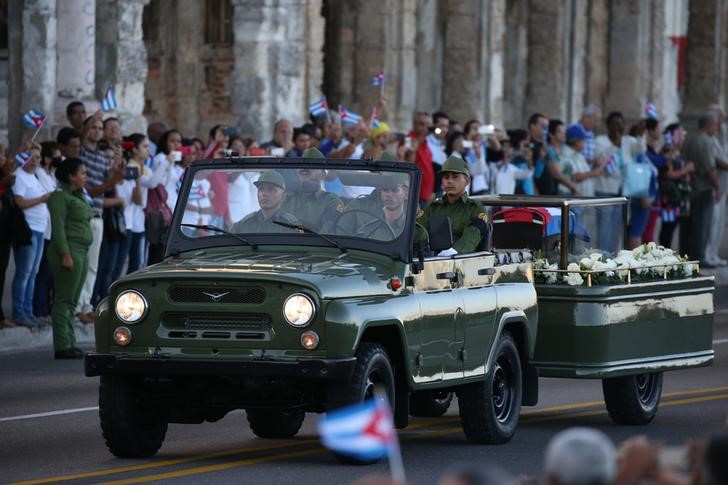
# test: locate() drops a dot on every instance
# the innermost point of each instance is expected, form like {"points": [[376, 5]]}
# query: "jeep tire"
{"points": [[633, 399], [489, 410], [130, 429], [372, 370], [275, 423], [430, 404]]}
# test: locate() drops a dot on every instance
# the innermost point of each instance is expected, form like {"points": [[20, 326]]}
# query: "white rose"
{"points": [[595, 256], [574, 279], [585, 263]]}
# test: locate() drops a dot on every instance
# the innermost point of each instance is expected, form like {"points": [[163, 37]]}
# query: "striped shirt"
{"points": [[97, 170]]}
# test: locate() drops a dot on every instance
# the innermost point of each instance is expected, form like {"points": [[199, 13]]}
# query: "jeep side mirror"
{"points": [[440, 231]]}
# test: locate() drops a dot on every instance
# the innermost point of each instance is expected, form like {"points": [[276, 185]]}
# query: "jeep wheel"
{"points": [[372, 371], [489, 410], [275, 423], [633, 399], [430, 404], [130, 429]]}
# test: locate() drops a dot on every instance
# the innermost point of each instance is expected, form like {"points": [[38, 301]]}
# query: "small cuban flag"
{"points": [[319, 107], [348, 117], [22, 158], [34, 119], [109, 101], [375, 118], [650, 110], [363, 431], [378, 78], [87, 196]]}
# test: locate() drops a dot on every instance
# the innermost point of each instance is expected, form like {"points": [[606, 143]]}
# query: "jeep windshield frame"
{"points": [[399, 248]]}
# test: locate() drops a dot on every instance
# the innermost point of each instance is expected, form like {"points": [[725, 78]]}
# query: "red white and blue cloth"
{"points": [[34, 119], [109, 101]]}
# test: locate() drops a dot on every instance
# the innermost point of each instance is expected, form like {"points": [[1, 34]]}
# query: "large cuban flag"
{"points": [[364, 431]]}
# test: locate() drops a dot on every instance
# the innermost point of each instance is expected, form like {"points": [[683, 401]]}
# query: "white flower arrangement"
{"points": [[646, 262]]}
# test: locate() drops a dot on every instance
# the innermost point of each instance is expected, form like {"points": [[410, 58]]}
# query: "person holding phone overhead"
{"points": [[71, 237]]}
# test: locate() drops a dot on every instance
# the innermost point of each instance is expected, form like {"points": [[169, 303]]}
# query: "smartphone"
{"points": [[131, 173], [230, 131], [486, 129], [408, 143], [177, 156], [186, 150], [257, 152], [467, 144], [277, 152]]}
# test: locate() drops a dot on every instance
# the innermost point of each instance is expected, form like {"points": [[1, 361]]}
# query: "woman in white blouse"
{"points": [[134, 189]]}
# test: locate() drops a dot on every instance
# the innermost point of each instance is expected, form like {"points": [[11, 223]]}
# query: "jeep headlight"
{"points": [[130, 306], [298, 310]]}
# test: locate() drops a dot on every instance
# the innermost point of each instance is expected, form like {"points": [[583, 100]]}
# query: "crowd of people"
{"points": [[97, 201], [586, 456]]}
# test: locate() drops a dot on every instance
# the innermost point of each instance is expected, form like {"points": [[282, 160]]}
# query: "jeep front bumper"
{"points": [[324, 369]]}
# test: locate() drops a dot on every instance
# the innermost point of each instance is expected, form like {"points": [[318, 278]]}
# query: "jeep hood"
{"points": [[330, 274]]}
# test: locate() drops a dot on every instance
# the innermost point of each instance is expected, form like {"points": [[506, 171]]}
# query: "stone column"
{"points": [[547, 83], [493, 62], [707, 67], [32, 64], [402, 86], [597, 54], [314, 37], [269, 63], [76, 56], [630, 65], [463, 96], [121, 59], [514, 64], [428, 57]]}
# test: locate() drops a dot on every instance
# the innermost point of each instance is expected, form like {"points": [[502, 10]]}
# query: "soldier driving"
{"points": [[306, 201], [271, 195], [392, 193], [467, 217]]}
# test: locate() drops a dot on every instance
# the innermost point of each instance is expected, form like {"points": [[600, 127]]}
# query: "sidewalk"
{"points": [[22, 338]]}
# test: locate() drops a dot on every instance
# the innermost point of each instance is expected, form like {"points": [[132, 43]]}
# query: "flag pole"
{"points": [[394, 454], [36, 132]]}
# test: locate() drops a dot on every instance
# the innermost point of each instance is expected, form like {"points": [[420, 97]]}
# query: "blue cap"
{"points": [[575, 133]]}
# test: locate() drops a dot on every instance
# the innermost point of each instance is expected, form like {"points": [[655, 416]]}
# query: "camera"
{"points": [[131, 173], [467, 144], [177, 156], [486, 129], [408, 143]]}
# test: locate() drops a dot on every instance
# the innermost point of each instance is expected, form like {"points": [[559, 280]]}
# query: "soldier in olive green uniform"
{"points": [[388, 223], [468, 217], [271, 195], [68, 252]]}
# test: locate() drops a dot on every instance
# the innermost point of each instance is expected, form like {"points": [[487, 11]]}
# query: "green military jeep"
{"points": [[283, 298]]}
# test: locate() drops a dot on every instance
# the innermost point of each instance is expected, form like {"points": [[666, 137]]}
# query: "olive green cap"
{"points": [[313, 153], [456, 165], [394, 179], [388, 157], [271, 177]]}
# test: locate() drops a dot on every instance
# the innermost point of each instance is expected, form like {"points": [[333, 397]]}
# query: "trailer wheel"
{"points": [[275, 423], [430, 404], [130, 429], [489, 410], [633, 399]]}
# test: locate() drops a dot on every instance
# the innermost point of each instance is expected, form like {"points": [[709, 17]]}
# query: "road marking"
{"points": [[49, 413], [253, 461]]}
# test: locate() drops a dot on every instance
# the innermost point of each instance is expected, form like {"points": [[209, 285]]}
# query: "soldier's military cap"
{"points": [[394, 179], [313, 153], [271, 177], [456, 165]]}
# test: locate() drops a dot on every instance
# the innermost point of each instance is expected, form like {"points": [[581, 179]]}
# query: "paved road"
{"points": [[49, 430]]}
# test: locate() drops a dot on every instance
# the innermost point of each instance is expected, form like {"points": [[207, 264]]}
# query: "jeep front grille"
{"points": [[251, 295], [240, 321]]}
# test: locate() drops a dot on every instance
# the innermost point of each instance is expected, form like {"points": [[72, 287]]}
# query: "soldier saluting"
{"points": [[271, 195], [468, 217]]}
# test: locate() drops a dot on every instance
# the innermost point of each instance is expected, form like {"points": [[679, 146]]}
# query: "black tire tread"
{"points": [[124, 437], [275, 423], [423, 405], [620, 397], [473, 399]]}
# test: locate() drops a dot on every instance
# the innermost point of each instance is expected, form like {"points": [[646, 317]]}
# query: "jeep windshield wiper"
{"points": [[311, 231], [210, 227]]}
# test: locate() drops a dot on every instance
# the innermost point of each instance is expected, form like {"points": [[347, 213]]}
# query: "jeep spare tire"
{"points": [[489, 410]]}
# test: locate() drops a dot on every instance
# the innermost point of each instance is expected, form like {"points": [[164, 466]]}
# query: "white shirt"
{"points": [[437, 148], [134, 213], [505, 176], [610, 181], [29, 187], [50, 184], [243, 196]]}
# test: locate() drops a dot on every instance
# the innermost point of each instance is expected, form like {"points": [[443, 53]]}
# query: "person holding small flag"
{"points": [[30, 196]]}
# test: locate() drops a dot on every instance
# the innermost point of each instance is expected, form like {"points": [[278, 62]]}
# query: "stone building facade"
{"points": [[246, 63]]}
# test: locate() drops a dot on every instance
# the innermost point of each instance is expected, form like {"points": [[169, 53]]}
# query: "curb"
{"points": [[23, 338]]}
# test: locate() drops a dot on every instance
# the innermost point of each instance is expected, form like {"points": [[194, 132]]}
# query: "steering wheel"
{"points": [[376, 222]]}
